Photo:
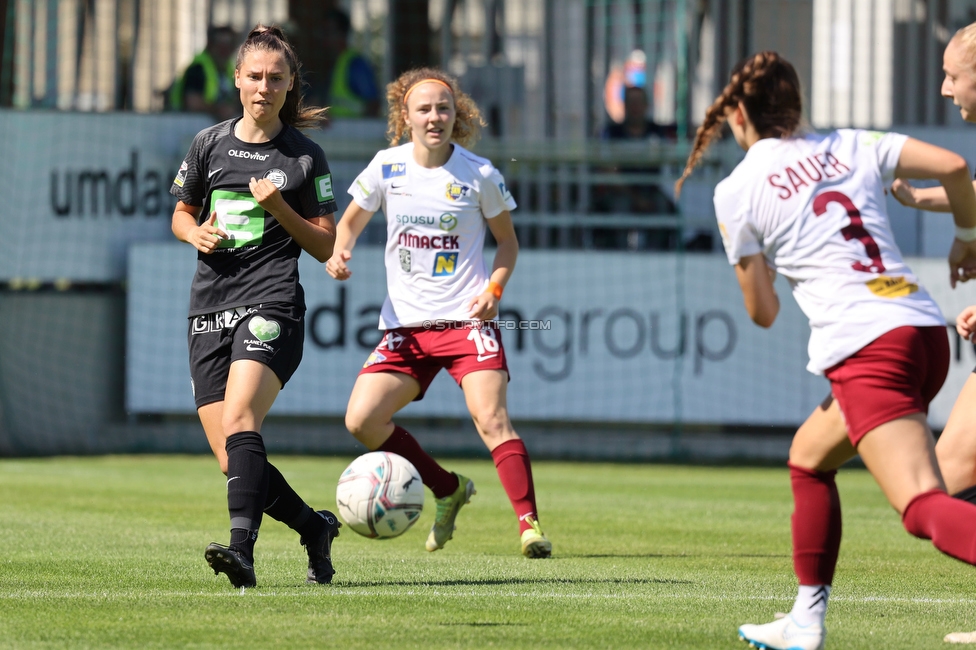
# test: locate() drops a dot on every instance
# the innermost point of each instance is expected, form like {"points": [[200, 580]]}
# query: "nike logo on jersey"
{"points": [[212, 172], [485, 357], [256, 348]]}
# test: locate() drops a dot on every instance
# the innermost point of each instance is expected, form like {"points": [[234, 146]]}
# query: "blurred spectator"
{"points": [[636, 125], [207, 85], [633, 73], [637, 198], [346, 84]]}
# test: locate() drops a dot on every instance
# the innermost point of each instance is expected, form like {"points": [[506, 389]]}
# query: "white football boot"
{"points": [[784, 634]]}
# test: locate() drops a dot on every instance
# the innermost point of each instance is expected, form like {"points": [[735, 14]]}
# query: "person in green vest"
{"points": [[207, 85], [349, 87]]}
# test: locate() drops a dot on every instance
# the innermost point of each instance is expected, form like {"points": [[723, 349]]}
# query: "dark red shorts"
{"points": [[895, 375], [421, 353]]}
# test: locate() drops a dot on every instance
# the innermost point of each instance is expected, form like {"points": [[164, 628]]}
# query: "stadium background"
{"points": [[640, 349]]}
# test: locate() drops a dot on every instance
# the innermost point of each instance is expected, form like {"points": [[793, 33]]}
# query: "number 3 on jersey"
{"points": [[240, 216], [855, 230], [485, 341]]}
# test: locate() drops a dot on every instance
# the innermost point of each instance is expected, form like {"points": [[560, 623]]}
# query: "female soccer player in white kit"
{"points": [[956, 448], [811, 207], [438, 199]]}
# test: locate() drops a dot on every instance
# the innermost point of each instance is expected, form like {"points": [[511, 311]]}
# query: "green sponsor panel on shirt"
{"points": [[323, 188], [240, 216]]}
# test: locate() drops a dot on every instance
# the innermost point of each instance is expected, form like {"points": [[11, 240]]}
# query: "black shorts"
{"points": [[271, 333]]}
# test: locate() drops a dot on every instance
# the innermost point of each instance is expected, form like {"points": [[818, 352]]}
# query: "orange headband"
{"points": [[406, 95]]}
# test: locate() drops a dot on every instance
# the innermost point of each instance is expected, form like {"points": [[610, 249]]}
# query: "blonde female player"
{"points": [[956, 448], [438, 198], [253, 193], [811, 207]]}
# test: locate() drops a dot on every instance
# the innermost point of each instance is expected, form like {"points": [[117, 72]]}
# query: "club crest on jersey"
{"points": [[277, 177], [455, 191], [392, 170], [405, 259]]}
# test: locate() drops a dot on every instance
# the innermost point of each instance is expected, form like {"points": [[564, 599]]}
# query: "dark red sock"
{"points": [[515, 472], [440, 481], [816, 525], [949, 523]]}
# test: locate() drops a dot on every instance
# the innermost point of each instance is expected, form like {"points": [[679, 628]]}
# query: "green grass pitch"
{"points": [[108, 552]]}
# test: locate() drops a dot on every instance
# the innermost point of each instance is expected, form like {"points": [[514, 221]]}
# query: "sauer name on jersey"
{"points": [[807, 171]]}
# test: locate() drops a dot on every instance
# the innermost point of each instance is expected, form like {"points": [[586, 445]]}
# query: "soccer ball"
{"points": [[380, 494]]}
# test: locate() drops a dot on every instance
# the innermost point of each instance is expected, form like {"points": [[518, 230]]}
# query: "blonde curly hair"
{"points": [[467, 124]]}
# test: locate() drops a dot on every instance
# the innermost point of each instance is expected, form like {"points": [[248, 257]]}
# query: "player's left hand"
{"points": [[962, 261], [267, 195], [483, 307]]}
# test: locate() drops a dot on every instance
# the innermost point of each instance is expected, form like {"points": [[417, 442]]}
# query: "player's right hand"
{"points": [[962, 261], [966, 322], [207, 236], [337, 267], [904, 193]]}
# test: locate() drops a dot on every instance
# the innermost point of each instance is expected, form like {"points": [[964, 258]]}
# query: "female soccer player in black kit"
{"points": [[253, 193]]}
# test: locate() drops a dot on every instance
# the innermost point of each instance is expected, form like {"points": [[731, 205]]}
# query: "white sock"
{"points": [[811, 604]]}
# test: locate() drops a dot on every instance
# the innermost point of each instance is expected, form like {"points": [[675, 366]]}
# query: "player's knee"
{"points": [[360, 425], [234, 422], [354, 423], [492, 424]]}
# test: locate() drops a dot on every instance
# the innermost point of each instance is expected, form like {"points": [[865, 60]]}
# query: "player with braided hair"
{"points": [[811, 207]]}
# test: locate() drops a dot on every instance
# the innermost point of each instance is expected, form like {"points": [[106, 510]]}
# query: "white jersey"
{"points": [[814, 206], [435, 227]]}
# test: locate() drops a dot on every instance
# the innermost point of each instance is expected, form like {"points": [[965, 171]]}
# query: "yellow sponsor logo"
{"points": [[891, 287], [445, 263]]}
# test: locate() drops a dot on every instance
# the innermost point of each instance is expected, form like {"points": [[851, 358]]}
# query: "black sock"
{"points": [[242, 540], [286, 506], [969, 494], [247, 488]]}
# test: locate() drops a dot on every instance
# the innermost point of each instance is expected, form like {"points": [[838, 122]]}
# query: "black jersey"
{"points": [[258, 262]]}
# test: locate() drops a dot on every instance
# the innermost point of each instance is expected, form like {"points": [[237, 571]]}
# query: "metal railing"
{"points": [[562, 189]]}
